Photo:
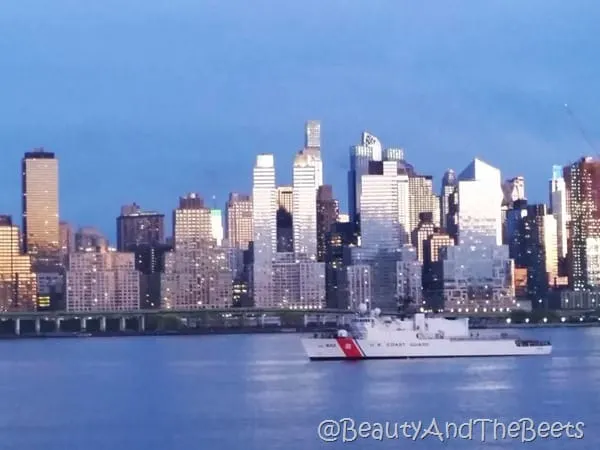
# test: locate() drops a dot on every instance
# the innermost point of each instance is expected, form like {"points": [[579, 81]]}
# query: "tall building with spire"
{"points": [[41, 230]]}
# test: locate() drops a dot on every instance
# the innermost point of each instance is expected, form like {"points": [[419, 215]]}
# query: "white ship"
{"points": [[373, 336]]}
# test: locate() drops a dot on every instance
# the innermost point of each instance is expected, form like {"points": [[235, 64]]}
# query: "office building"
{"points": [[299, 283], [361, 155], [102, 281], [17, 281], [285, 198], [305, 206], [513, 189], [136, 227], [422, 200], [264, 219], [478, 272], [409, 273], [41, 232], [239, 220], [327, 216], [448, 187]]}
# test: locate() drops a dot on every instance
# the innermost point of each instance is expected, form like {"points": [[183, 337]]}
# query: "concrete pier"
{"points": [[57, 323], [122, 324], [83, 324], [17, 326], [142, 323], [103, 324], [38, 326]]}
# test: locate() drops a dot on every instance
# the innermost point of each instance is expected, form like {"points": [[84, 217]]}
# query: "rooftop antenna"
{"points": [[580, 128]]}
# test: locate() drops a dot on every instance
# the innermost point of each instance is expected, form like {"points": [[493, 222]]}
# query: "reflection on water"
{"points": [[260, 392]]}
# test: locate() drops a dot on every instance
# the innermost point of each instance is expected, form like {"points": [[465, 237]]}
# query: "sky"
{"points": [[147, 100]]}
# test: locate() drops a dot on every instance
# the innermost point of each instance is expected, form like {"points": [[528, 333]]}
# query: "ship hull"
{"points": [[359, 349]]}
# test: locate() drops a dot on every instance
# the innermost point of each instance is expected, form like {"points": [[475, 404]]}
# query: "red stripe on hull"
{"points": [[349, 347]]}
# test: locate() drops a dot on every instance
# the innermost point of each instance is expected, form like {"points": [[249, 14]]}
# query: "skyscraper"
{"points": [[513, 189], [368, 150], [583, 184], [327, 215], [312, 147], [448, 186], [41, 235], [264, 219], [312, 134], [558, 205], [478, 272], [136, 227], [239, 220], [285, 198], [192, 222], [305, 206], [17, 282], [422, 200]]}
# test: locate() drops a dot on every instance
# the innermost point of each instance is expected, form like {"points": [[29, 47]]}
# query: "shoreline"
{"points": [[251, 330]]}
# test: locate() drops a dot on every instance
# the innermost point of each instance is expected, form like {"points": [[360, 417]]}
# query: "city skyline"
{"points": [[502, 101]]}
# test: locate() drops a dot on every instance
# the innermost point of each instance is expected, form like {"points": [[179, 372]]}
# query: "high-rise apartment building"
{"points": [[558, 206], [583, 184], [264, 219], [305, 206], [41, 232], [102, 281], [136, 227], [17, 281], [192, 222], [239, 220], [197, 276]]}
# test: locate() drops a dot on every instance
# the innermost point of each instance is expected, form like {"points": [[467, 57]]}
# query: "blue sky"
{"points": [[147, 100]]}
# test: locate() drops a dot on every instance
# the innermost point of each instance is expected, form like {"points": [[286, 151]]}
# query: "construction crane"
{"points": [[580, 128]]}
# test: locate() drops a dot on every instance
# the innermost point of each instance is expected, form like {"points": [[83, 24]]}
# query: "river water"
{"points": [[259, 392]]}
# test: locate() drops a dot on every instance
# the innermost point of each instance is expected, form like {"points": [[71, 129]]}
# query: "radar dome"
{"points": [[362, 308], [377, 311], [342, 333]]}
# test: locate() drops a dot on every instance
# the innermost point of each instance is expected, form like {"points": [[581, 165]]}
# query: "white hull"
{"points": [[351, 348]]}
